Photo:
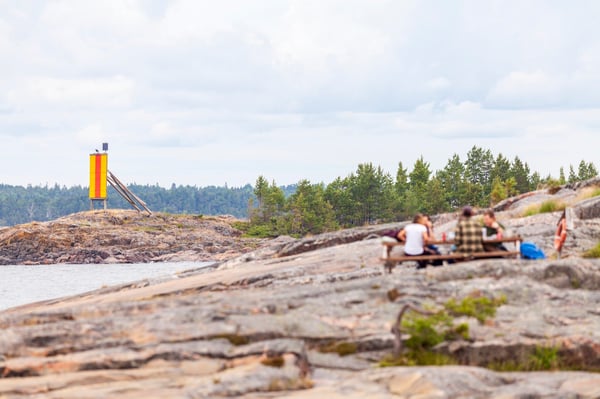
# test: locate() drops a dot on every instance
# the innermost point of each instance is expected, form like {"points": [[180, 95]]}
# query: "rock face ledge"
{"points": [[307, 318], [123, 236], [262, 326]]}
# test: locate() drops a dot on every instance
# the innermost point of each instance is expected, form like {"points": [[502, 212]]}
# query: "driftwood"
{"points": [[398, 345]]}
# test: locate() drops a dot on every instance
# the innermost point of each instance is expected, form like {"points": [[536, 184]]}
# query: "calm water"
{"points": [[24, 284]]}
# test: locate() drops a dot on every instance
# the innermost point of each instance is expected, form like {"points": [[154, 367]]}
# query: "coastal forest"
{"points": [[367, 195]]}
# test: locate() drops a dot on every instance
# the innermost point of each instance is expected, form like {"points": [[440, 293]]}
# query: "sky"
{"points": [[198, 92]]}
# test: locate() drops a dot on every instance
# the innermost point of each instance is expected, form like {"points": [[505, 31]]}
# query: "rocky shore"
{"points": [[313, 318], [123, 236]]}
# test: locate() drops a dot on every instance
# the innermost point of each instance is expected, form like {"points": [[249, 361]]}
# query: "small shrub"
{"points": [[544, 358], [426, 332], [242, 226], [531, 210], [460, 331], [552, 206], [261, 231], [545, 207], [593, 252], [481, 308]]}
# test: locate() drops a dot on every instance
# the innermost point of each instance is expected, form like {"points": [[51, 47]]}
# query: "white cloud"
{"points": [[438, 83], [526, 89], [73, 93], [203, 92]]}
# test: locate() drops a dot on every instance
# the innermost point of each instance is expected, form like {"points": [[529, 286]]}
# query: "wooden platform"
{"points": [[391, 261]]}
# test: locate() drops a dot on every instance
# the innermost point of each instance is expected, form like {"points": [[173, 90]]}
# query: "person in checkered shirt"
{"points": [[467, 236]]}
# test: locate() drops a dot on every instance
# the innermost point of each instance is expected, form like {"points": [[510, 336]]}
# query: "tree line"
{"points": [[41, 203], [371, 195], [367, 195]]}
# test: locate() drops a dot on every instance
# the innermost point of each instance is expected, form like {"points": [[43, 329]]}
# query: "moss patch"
{"points": [[593, 252], [428, 331], [481, 308], [341, 348], [543, 358]]}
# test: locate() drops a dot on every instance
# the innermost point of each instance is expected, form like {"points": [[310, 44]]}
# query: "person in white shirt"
{"points": [[415, 237]]}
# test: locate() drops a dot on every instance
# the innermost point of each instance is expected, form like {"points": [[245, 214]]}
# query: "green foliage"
{"points": [[586, 171], [545, 207], [521, 173], [592, 252], [561, 177], [552, 185], [25, 204], [543, 358], [551, 206], [426, 331], [262, 231], [479, 307], [418, 358], [499, 191], [369, 195], [307, 211], [452, 178]]}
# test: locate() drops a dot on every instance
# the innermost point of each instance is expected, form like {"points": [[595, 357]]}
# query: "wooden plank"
{"points": [[475, 255], [494, 254], [426, 257], [451, 242]]}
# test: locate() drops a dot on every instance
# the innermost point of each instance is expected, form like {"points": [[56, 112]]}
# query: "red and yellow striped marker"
{"points": [[98, 169]]}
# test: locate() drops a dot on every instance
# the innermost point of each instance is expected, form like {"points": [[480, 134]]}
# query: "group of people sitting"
{"points": [[469, 236]]}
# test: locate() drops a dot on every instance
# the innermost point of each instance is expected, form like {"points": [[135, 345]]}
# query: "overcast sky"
{"points": [[219, 92]]}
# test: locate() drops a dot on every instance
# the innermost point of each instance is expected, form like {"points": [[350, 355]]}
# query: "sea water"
{"points": [[21, 284]]}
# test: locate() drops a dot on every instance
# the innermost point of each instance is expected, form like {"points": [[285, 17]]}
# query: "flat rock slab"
{"points": [[313, 324]]}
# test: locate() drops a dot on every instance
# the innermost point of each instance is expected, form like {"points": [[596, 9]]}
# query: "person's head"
{"points": [[488, 217], [563, 216], [418, 218], [467, 212]]}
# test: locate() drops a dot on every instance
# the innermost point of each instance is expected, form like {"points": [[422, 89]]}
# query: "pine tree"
{"points": [[499, 192]]}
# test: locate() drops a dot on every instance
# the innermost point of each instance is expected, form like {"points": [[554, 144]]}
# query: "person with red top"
{"points": [[561, 234]]}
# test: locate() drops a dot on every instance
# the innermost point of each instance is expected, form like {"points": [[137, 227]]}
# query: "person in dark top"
{"points": [[492, 231]]}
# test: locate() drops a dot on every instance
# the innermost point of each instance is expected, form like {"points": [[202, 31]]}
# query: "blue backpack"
{"points": [[531, 251]]}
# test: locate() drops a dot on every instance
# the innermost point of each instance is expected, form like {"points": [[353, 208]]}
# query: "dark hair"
{"points": [[467, 211], [490, 213], [563, 216], [417, 217]]}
